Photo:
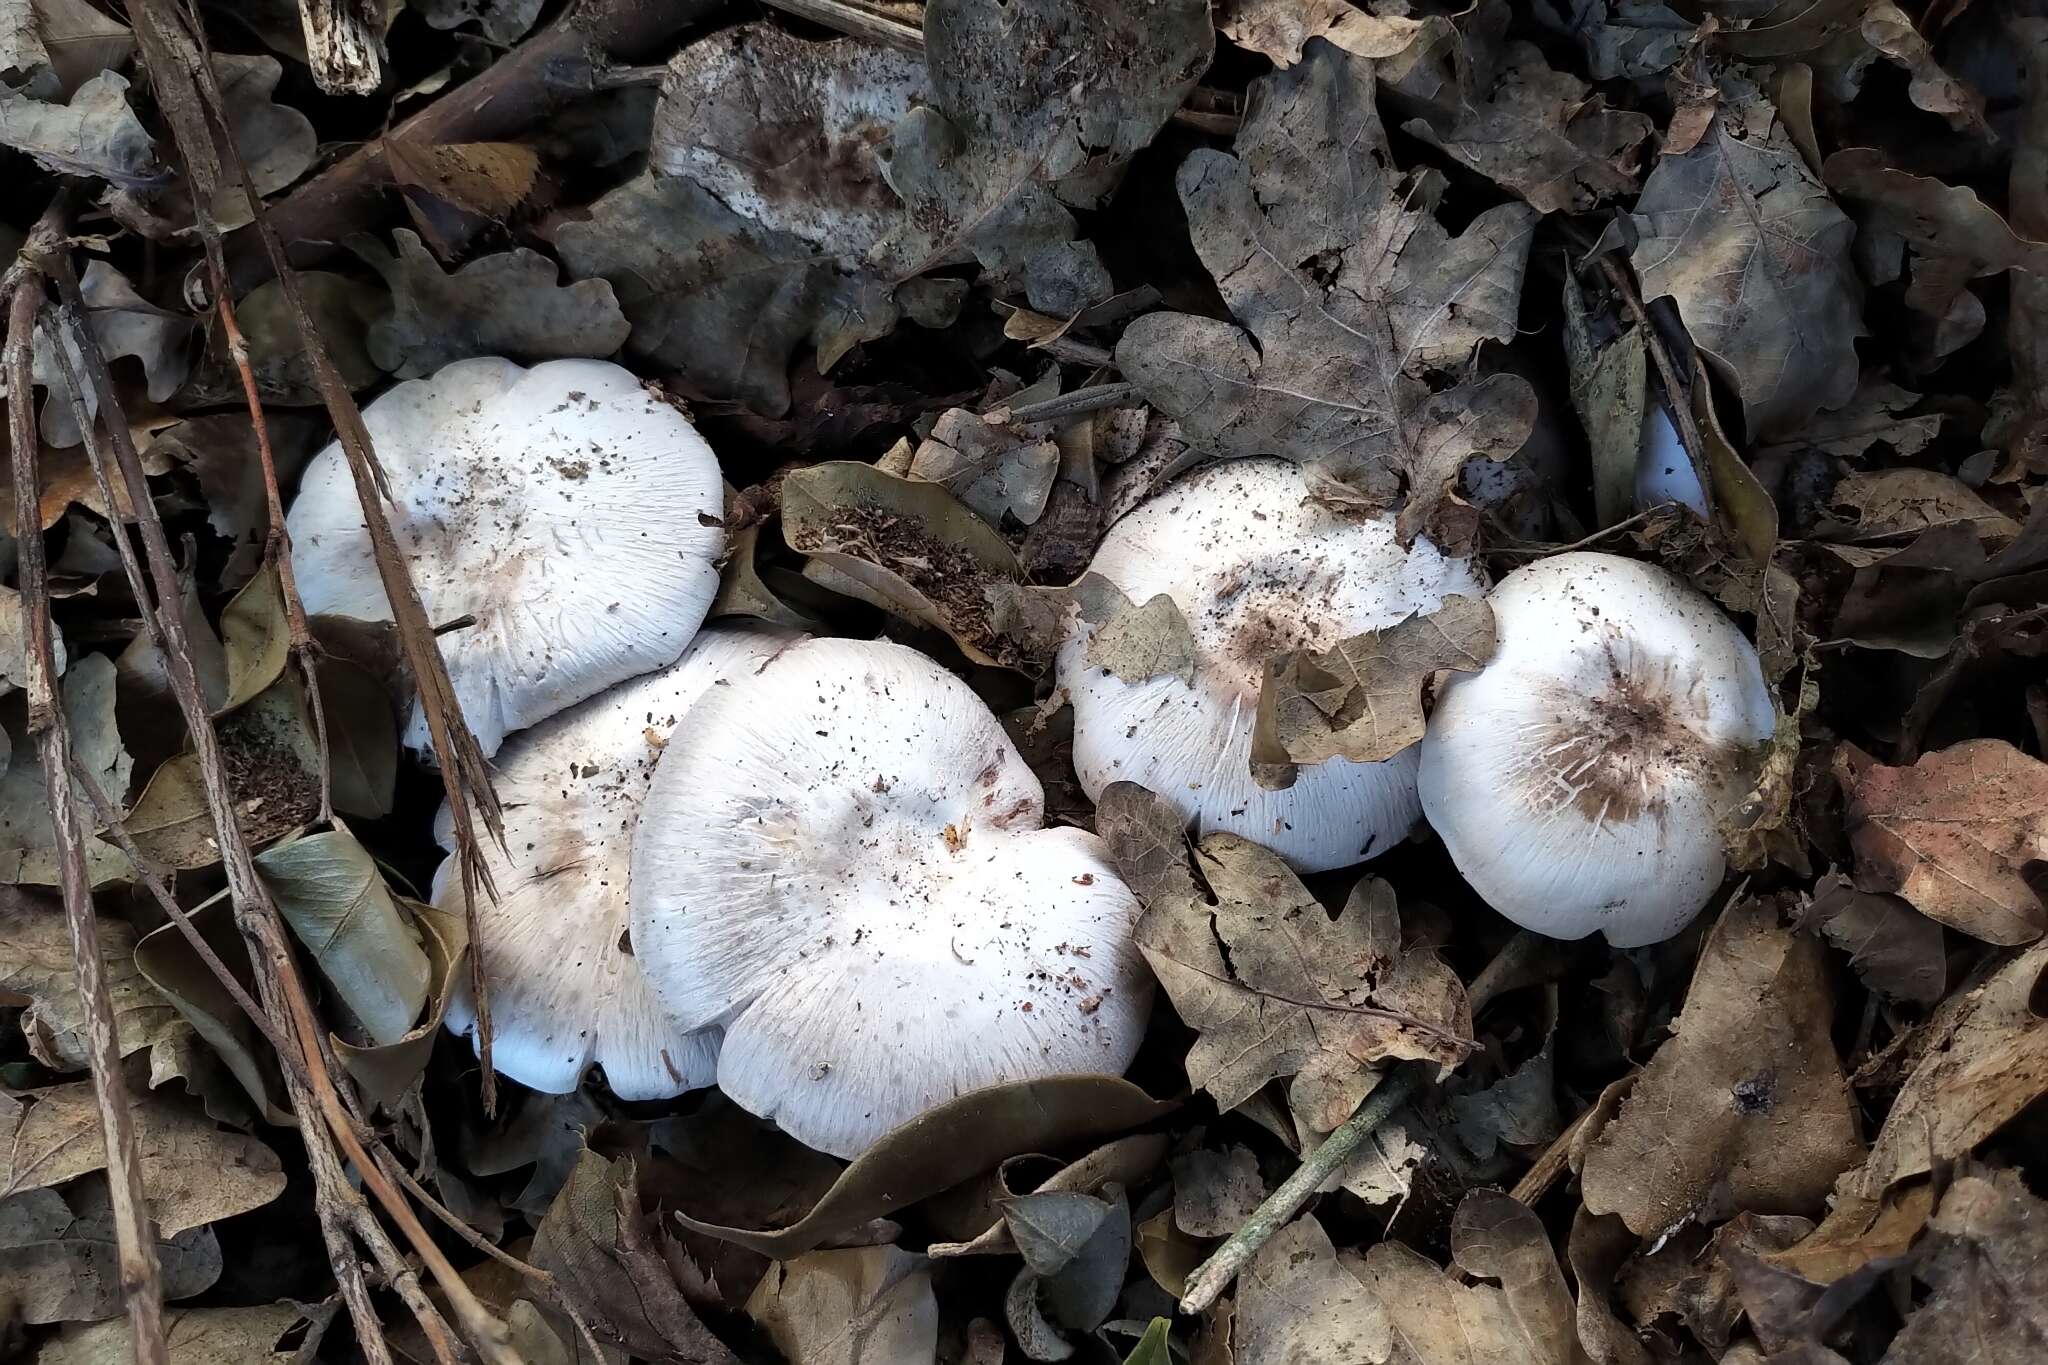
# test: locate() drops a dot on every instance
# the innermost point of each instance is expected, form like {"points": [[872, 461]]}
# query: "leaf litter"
{"points": [[950, 288]]}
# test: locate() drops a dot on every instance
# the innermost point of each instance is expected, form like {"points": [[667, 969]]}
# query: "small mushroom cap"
{"points": [[565, 989], [1256, 569], [561, 505], [846, 869], [1580, 778]]}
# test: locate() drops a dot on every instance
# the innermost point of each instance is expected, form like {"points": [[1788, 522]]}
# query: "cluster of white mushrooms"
{"points": [[816, 873]]}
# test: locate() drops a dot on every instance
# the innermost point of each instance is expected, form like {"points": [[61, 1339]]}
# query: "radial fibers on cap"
{"points": [[1257, 569], [1580, 779], [567, 508], [846, 869], [565, 988]]}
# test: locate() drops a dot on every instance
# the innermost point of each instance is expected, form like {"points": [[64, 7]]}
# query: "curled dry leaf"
{"points": [[849, 1307], [1983, 1058], [57, 1258], [1125, 1162], [27, 839], [503, 305], [959, 1139], [1954, 834], [908, 547], [386, 1071], [1745, 1105], [1274, 984], [168, 962], [1344, 281], [193, 1172], [1745, 241], [1362, 699]]}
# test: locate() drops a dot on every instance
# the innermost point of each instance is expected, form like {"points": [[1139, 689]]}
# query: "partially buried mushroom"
{"points": [[565, 990], [846, 868], [570, 511], [1257, 569], [1580, 779]]}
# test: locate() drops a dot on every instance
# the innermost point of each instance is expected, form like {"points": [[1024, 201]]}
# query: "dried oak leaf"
{"points": [[126, 325], [501, 21], [1895, 949], [27, 838], [1000, 472], [1542, 134], [193, 1171], [1273, 983], [508, 305], [1989, 1273], [1036, 105], [1351, 292], [1745, 1104], [759, 226], [36, 970], [1876, 413], [58, 1261], [1983, 1057], [1622, 39], [1899, 502], [2018, 420], [1297, 1304], [1954, 834], [1361, 699], [94, 134], [1279, 29], [1438, 1318], [849, 1307], [270, 1334], [1135, 640], [1946, 232], [276, 141], [1740, 235]]}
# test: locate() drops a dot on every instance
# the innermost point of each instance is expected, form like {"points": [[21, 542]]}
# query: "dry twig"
{"points": [[140, 1276]]}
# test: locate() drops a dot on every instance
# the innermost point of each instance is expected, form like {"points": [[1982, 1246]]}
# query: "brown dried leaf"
{"points": [[1297, 1304], [1983, 1059], [1876, 413], [1134, 640], [205, 1336], [1542, 134], [1299, 994], [595, 1242], [1900, 502], [58, 1261], [1345, 282], [1215, 1192], [1439, 1319], [1742, 237], [36, 970], [1745, 1105], [1895, 949], [509, 304], [849, 1307], [1989, 1274], [994, 470], [1954, 834], [1362, 699], [1280, 28], [193, 1172]]}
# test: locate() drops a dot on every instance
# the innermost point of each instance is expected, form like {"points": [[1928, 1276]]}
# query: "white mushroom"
{"points": [[846, 869], [1579, 779], [569, 510], [1257, 569], [565, 989]]}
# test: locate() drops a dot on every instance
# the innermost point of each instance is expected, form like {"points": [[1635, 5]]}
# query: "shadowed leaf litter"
{"points": [[1755, 293]]}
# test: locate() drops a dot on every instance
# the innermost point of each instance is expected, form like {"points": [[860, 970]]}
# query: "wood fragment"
{"points": [[344, 44]]}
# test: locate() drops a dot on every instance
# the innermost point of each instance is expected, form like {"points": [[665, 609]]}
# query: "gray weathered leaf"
{"points": [[1135, 640], [204, 1336], [276, 141], [330, 892], [126, 325], [1297, 1304], [1345, 283], [27, 838], [1897, 951], [36, 967], [95, 134], [1050, 1228], [995, 470], [1036, 105], [58, 1262], [1742, 237], [508, 304], [501, 21]]}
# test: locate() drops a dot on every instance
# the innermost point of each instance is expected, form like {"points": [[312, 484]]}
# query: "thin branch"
{"points": [[1058, 409], [1214, 1275], [135, 1247], [856, 22]]}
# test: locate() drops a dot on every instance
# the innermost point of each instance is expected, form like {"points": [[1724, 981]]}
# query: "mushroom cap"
{"points": [[561, 505], [1580, 778], [846, 869], [1257, 569], [565, 989]]}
